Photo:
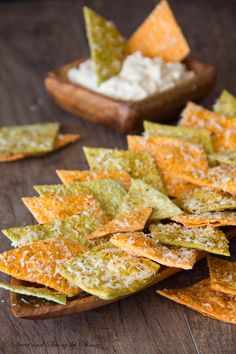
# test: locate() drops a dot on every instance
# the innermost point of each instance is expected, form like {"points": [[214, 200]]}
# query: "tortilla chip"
{"points": [[222, 275], [202, 200], [49, 208], [222, 128], [226, 104], [160, 36], [176, 187], [39, 261], [11, 157], [200, 297], [61, 189], [228, 157], [42, 293], [213, 219], [193, 135], [109, 273], [74, 227], [65, 139], [107, 46], [203, 238], [140, 245], [137, 165], [127, 222], [141, 195], [71, 176]]}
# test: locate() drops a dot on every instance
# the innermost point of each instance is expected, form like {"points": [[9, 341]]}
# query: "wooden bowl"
{"points": [[125, 116]]}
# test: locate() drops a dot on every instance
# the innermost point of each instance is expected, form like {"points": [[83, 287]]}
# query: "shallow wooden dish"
{"points": [[44, 309], [125, 116]]}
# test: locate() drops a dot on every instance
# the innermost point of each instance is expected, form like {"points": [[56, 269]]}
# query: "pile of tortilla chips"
{"points": [[19, 142], [111, 230]]}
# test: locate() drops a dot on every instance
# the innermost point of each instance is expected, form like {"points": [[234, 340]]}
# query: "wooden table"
{"points": [[36, 36]]}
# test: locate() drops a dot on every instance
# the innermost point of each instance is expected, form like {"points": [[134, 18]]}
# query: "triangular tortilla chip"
{"points": [[160, 36], [137, 165], [228, 157], [109, 193], [223, 128], [127, 222], [203, 238], [65, 139], [140, 245], [222, 275], [107, 46], [71, 176], [200, 297], [201, 200], [194, 135], [74, 227], [42, 293], [38, 263], [214, 219], [142, 195], [11, 157], [108, 272], [50, 208], [28, 139], [176, 187], [226, 104]]}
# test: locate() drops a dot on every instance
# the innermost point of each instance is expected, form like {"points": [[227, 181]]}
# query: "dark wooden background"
{"points": [[36, 36]]}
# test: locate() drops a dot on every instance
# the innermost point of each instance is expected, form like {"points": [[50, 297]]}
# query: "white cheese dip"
{"points": [[139, 77]]}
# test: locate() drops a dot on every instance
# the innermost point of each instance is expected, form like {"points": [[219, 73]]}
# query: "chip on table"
{"points": [[108, 272], [222, 275]]}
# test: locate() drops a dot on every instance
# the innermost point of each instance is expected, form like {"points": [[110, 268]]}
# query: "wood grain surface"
{"points": [[35, 37]]}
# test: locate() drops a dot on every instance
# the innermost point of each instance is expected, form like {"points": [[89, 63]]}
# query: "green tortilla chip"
{"points": [[138, 165], [42, 293], [28, 139], [203, 199], [226, 104], [75, 228], [108, 192], [108, 272], [228, 157], [107, 46], [141, 195], [194, 135], [202, 238]]}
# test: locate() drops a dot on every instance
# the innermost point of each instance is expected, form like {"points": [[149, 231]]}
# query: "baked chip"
{"points": [[140, 245], [39, 262], [160, 36], [214, 219], [222, 128], [203, 238], [71, 176], [107, 46], [108, 272], [74, 227], [203, 199], [142, 195], [137, 165], [228, 157], [28, 139], [200, 297], [194, 135], [222, 275], [42, 293], [128, 222], [50, 208], [11, 157], [226, 104]]}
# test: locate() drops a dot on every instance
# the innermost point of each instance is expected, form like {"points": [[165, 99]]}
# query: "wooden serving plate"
{"points": [[124, 116], [37, 309]]}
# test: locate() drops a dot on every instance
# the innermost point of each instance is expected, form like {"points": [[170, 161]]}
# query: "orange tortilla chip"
{"points": [[200, 297], [129, 222], [65, 139], [50, 208], [71, 176], [214, 219], [222, 275], [38, 263], [223, 128], [140, 245], [9, 158], [160, 36]]}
